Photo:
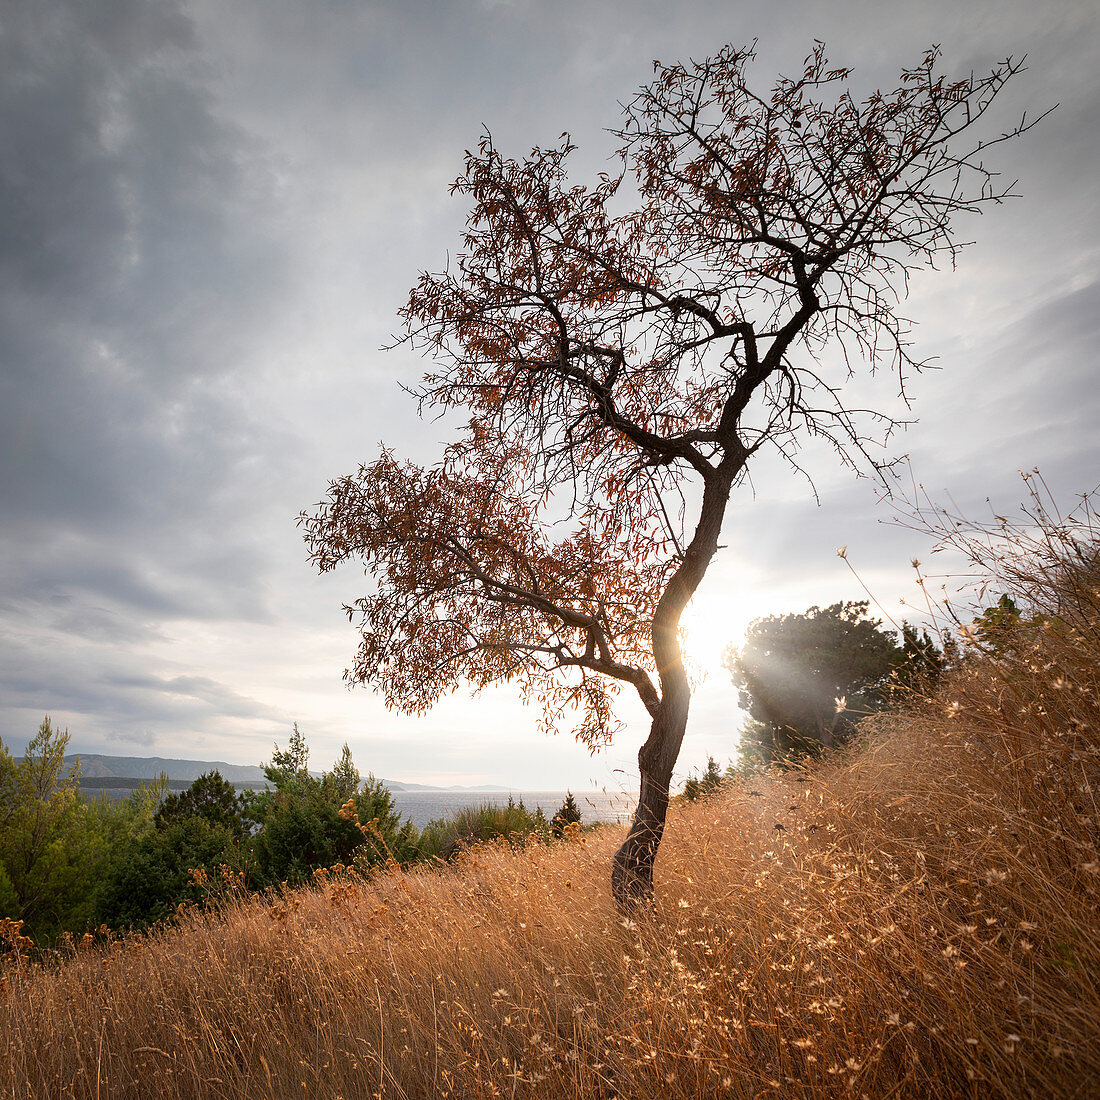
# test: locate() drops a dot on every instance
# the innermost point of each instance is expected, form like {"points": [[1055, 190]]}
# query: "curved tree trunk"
{"points": [[632, 868]]}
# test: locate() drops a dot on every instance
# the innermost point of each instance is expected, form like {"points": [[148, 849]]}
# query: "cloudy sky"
{"points": [[210, 212]]}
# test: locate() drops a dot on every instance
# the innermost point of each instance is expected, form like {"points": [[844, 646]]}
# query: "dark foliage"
{"points": [[309, 822], [212, 798], [806, 679], [569, 814], [150, 879], [700, 786], [303, 831]]}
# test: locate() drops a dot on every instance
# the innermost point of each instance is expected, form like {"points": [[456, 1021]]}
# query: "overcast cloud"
{"points": [[209, 215]]}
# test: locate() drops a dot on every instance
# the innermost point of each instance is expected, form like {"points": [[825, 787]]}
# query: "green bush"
{"points": [[444, 837], [308, 822], [386, 836], [53, 844], [157, 873], [303, 830]]}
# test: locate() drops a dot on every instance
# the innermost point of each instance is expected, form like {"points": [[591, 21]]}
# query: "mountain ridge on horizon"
{"points": [[104, 766]]}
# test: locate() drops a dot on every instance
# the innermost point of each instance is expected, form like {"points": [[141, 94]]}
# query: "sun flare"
{"points": [[709, 626]]}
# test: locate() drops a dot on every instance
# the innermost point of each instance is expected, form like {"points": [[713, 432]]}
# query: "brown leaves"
{"points": [[470, 586], [616, 361]]}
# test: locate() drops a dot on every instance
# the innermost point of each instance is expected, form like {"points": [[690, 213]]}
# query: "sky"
{"points": [[210, 212]]}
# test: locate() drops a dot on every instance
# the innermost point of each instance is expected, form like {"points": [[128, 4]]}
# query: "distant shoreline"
{"points": [[98, 770], [421, 804]]}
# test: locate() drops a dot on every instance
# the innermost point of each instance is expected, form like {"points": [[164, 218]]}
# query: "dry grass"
{"points": [[923, 924]]}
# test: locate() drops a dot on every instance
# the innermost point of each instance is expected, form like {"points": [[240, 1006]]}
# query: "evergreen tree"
{"points": [[306, 822], [50, 849], [343, 781], [697, 787], [569, 814], [921, 662], [1000, 628], [805, 679], [212, 798], [151, 877]]}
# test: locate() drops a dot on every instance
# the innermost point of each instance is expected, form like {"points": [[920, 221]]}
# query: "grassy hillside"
{"points": [[920, 920]]}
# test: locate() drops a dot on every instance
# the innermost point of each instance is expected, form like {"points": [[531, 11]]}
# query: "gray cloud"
{"points": [[131, 278], [210, 215]]}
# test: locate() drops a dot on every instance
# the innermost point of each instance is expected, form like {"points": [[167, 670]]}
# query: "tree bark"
{"points": [[632, 868]]}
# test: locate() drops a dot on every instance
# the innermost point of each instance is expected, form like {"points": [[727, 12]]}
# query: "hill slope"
{"points": [[101, 766], [918, 920]]}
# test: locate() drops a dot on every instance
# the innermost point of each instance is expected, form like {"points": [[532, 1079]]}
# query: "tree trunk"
{"points": [[632, 868]]}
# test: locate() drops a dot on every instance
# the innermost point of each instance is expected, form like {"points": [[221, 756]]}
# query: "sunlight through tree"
{"points": [[620, 368]]}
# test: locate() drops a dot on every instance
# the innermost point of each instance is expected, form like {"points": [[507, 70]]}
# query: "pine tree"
{"points": [[569, 814]]}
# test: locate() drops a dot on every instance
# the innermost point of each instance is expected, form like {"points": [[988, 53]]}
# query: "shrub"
{"points": [[307, 822], [444, 837], [698, 787], [156, 874]]}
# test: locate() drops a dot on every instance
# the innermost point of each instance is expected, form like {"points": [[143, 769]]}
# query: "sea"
{"points": [[425, 806]]}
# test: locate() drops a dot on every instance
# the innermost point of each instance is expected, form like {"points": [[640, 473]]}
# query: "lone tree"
{"points": [[621, 366]]}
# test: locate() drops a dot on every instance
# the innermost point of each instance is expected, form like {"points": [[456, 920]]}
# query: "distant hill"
{"points": [[95, 766]]}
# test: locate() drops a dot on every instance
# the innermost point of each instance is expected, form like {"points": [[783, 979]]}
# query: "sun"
{"points": [[711, 624]]}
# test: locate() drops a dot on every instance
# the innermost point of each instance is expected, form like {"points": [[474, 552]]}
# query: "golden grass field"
{"points": [[918, 921]]}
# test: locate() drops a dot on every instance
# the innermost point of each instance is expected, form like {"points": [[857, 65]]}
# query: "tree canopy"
{"points": [[621, 351], [804, 679], [210, 797]]}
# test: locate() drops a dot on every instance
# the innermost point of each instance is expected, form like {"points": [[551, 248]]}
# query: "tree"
{"points": [[568, 814], [343, 781], [287, 771], [289, 766], [804, 679], [151, 877], [922, 661], [309, 822], [59, 851], [621, 367], [999, 628], [48, 843], [212, 798], [697, 787], [303, 831], [375, 809]]}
